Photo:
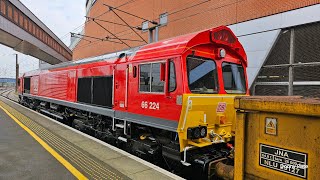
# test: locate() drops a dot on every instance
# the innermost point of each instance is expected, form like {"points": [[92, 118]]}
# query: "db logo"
{"points": [[221, 107]]}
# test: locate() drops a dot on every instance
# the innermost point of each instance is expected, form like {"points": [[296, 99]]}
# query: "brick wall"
{"points": [[185, 16]]}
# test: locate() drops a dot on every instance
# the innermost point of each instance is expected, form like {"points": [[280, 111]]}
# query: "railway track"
{"points": [[7, 93]]}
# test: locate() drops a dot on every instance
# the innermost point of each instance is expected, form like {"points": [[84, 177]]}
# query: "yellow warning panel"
{"points": [[277, 138], [271, 126]]}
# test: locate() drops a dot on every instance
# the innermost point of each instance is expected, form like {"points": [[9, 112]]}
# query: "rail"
{"points": [[7, 93]]}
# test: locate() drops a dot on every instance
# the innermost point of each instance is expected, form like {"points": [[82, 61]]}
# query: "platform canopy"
{"points": [[21, 30]]}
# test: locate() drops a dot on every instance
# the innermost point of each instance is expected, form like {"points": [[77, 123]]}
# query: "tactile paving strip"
{"points": [[90, 166]]}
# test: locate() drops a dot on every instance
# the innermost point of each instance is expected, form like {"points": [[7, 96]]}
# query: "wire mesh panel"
{"points": [[307, 91], [307, 43], [280, 53], [307, 73], [271, 90], [273, 74], [84, 90], [102, 91], [306, 49]]}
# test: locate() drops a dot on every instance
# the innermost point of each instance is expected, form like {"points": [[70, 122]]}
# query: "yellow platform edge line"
{"points": [[63, 161]]}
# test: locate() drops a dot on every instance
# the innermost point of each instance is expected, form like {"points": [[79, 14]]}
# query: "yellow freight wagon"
{"points": [[277, 138]]}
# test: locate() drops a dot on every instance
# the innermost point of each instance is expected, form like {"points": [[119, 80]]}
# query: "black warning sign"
{"points": [[284, 160]]}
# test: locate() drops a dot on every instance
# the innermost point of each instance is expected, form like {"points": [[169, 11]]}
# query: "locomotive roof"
{"points": [[167, 47], [141, 50], [106, 57]]}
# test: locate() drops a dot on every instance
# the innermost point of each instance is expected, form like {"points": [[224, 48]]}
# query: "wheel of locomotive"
{"points": [[99, 131], [75, 125], [68, 120]]}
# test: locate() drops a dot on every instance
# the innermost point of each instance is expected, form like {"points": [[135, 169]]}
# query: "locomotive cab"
{"points": [[189, 84], [214, 73]]}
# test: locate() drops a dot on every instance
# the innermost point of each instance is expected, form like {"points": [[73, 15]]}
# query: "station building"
{"points": [[7, 82], [281, 38]]}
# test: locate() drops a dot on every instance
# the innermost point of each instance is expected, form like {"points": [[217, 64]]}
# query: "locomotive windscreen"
{"points": [[95, 91]]}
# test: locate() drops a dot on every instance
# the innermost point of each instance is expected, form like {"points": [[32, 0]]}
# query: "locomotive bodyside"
{"points": [[172, 99]]}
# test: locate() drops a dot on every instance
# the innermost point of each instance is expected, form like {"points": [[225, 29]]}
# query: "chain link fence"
{"points": [[293, 65]]}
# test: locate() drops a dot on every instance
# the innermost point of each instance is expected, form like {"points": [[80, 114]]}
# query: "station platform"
{"points": [[33, 146]]}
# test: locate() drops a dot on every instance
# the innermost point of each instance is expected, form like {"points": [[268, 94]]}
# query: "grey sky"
{"points": [[61, 16]]}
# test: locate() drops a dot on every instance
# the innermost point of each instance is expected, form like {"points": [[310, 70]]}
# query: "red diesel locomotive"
{"points": [[171, 100]]}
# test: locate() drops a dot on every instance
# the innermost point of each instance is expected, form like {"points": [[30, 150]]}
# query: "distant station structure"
{"points": [[7, 82], [21, 30]]}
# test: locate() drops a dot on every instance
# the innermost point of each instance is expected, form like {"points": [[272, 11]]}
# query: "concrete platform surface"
{"points": [[22, 157], [93, 158]]}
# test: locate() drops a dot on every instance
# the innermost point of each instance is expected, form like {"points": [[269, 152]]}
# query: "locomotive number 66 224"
{"points": [[150, 105]]}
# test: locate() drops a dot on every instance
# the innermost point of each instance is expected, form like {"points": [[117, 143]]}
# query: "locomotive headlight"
{"points": [[197, 132], [222, 53], [193, 133], [203, 131]]}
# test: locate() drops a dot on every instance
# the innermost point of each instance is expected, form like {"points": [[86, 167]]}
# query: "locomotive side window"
{"points": [[26, 85], [145, 70], [172, 77], [156, 84], [134, 71], [150, 80], [233, 77], [202, 75]]}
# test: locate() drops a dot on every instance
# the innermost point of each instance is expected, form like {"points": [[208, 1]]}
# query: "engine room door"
{"points": [[121, 86]]}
